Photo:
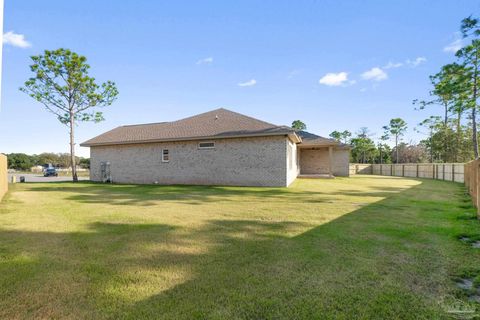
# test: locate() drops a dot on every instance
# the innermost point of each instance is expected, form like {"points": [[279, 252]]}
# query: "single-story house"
{"points": [[219, 147]]}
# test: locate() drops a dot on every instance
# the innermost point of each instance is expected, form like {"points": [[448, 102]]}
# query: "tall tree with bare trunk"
{"points": [[396, 129], [469, 57], [62, 84]]}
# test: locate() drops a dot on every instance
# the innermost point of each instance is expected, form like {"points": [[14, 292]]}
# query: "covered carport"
{"points": [[316, 161], [320, 157]]}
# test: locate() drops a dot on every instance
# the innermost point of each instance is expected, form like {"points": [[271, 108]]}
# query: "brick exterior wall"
{"points": [[341, 162], [316, 161], [260, 161]]}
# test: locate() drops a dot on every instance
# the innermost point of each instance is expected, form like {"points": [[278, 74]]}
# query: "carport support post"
{"points": [[330, 161]]}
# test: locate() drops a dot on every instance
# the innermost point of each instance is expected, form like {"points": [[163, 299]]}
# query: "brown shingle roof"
{"points": [[220, 123], [310, 139]]}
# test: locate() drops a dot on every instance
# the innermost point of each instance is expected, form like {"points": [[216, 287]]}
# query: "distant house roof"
{"points": [[220, 123]]}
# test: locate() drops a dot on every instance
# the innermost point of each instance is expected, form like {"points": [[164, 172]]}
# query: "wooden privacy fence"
{"points": [[3, 176], [440, 171], [472, 180]]}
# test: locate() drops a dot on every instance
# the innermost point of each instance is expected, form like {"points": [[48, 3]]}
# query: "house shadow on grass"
{"points": [[378, 262], [389, 259]]}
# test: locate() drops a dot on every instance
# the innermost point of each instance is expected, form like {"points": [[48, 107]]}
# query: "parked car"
{"points": [[50, 172]]}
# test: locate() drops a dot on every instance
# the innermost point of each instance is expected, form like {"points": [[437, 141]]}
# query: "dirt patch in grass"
{"points": [[473, 241]]}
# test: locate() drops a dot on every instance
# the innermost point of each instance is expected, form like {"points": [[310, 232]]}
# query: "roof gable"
{"points": [[219, 123]]}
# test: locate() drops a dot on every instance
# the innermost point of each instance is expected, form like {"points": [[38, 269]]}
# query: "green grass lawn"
{"points": [[363, 247]]}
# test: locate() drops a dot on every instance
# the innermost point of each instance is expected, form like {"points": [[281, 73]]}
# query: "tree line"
{"points": [[451, 130], [22, 161], [364, 149]]}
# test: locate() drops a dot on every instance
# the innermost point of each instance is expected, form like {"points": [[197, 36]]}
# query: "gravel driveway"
{"points": [[35, 177]]}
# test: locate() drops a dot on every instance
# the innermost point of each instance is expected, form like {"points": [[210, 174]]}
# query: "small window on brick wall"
{"points": [[165, 155], [206, 145]]}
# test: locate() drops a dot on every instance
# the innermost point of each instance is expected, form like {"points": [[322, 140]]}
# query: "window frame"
{"points": [[206, 148], [165, 154]]}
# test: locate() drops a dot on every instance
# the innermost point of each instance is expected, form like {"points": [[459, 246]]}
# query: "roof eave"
{"points": [[295, 137], [280, 133], [323, 145]]}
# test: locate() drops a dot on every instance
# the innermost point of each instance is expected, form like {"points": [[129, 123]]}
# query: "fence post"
{"points": [[467, 175], [453, 172], [477, 189], [467, 181], [473, 182], [473, 190], [403, 170], [417, 170]]}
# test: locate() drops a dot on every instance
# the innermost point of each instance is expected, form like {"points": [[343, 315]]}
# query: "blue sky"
{"points": [[335, 65]]}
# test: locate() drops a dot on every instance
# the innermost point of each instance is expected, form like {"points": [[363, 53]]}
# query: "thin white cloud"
{"points": [[375, 74], [294, 73], [415, 63], [207, 60], [334, 79], [16, 40], [410, 63], [455, 45], [393, 65], [248, 83]]}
